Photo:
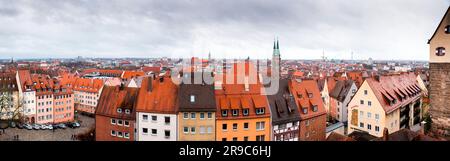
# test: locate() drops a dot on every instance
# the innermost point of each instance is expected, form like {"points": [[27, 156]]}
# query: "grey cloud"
{"points": [[232, 28]]}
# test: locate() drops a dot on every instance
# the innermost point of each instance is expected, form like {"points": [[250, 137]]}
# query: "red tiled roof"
{"points": [[114, 97], [233, 94], [131, 74], [87, 85], [300, 91], [156, 96], [393, 87]]}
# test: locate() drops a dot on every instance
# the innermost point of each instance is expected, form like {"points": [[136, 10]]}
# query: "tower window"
{"points": [[440, 51], [447, 29]]}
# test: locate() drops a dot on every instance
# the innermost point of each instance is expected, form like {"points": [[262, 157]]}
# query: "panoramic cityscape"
{"points": [[208, 95]]}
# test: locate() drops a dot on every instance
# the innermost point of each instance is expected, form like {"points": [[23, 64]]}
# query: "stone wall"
{"points": [[440, 96]]}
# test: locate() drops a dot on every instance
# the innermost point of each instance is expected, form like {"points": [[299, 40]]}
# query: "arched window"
{"points": [[440, 51], [447, 29]]}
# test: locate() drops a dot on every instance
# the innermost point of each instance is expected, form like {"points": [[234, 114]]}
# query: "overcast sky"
{"points": [[380, 29]]}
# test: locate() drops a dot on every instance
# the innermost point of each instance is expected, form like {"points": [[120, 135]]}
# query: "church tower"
{"points": [[276, 58], [440, 76]]}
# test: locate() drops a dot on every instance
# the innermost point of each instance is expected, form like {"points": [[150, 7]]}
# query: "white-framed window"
{"points": [[245, 112], [440, 51], [235, 127], [369, 127], [377, 128], [260, 125], [145, 131], [209, 129], [154, 118], [192, 130], [113, 121], [167, 133], [369, 103], [119, 122], [224, 113], [369, 115], [209, 115], [167, 120], [119, 134], [361, 113], [126, 135], [119, 110], [260, 111], [154, 132], [224, 127], [361, 125], [202, 115], [145, 117], [192, 99], [127, 111], [113, 133], [202, 130], [235, 112], [377, 116], [186, 130], [126, 123], [365, 92], [185, 115]]}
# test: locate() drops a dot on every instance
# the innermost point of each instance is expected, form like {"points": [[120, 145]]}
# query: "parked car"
{"points": [[12, 124], [73, 125], [55, 126], [76, 124], [28, 126], [62, 126], [36, 126], [45, 127], [50, 127], [20, 126]]}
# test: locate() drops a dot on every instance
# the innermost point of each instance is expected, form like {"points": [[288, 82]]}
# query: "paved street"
{"points": [[49, 135]]}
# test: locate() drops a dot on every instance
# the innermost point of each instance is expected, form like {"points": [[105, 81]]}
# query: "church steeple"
{"points": [[276, 48]]}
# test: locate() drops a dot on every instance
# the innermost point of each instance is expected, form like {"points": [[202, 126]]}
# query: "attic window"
{"points": [[310, 95], [235, 112], [192, 98], [440, 51], [305, 110], [127, 111], [245, 112], [447, 29], [224, 113], [315, 108], [260, 111], [119, 110]]}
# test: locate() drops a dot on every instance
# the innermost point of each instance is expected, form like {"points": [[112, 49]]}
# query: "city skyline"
{"points": [[142, 29]]}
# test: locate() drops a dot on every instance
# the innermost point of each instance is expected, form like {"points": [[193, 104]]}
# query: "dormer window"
{"points": [[310, 95], [127, 111], [245, 112], [315, 108], [305, 110], [119, 110], [224, 113], [192, 98], [440, 51], [235, 112], [260, 111], [447, 29]]}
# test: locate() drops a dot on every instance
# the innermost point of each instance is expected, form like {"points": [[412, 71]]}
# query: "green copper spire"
{"points": [[276, 48]]}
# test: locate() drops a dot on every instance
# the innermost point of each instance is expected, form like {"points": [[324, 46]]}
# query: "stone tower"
{"points": [[440, 76], [276, 58]]}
